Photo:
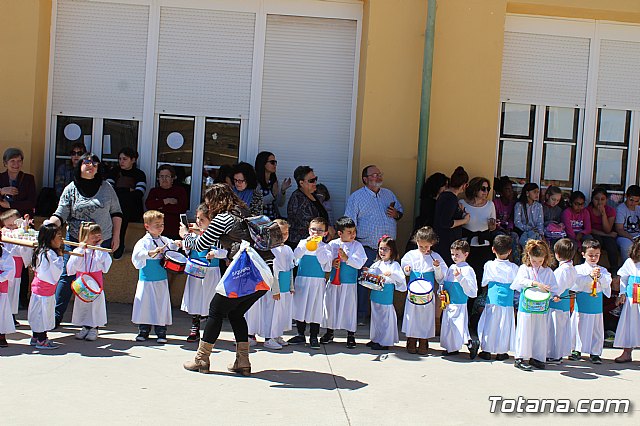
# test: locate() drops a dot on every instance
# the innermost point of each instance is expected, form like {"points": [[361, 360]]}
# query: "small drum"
{"points": [[536, 301], [420, 291], [174, 261], [196, 268], [371, 281], [86, 288]]}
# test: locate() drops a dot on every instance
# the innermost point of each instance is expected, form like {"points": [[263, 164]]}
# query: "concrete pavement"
{"points": [[116, 380]]}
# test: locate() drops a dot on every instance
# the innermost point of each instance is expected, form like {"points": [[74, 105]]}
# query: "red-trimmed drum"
{"points": [[86, 288], [174, 261], [420, 291]]}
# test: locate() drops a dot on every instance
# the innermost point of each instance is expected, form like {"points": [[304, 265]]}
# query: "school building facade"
{"points": [[541, 90]]}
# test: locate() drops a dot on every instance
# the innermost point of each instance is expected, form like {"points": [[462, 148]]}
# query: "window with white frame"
{"points": [[559, 147], [612, 149], [516, 141]]}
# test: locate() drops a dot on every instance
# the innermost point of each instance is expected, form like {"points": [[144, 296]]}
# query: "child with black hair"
{"points": [[341, 298], [47, 264], [419, 323], [559, 340], [628, 331], [460, 283], [586, 321], [576, 219], [384, 322], [7, 272], [554, 229], [497, 327], [528, 215]]}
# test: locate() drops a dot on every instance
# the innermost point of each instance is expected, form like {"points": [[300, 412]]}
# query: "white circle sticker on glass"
{"points": [[72, 132], [175, 140]]}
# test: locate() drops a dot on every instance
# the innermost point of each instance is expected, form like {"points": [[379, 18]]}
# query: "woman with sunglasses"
{"points": [[17, 189], [273, 195], [64, 173], [245, 186], [304, 206], [88, 198]]}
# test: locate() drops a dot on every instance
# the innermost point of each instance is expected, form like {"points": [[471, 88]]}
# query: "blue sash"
{"points": [[384, 297], [202, 255], [456, 294], [284, 280], [348, 274], [500, 294], [630, 282], [152, 271], [563, 305], [309, 266], [587, 304]]}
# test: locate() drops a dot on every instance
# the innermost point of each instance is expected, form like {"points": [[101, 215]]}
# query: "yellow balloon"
{"points": [[312, 244]]}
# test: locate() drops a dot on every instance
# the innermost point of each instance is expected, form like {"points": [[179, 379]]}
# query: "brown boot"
{"points": [[423, 346], [411, 345], [242, 364], [201, 361]]}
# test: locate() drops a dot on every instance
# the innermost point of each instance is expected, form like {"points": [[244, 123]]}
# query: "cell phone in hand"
{"points": [[183, 220], [393, 204]]}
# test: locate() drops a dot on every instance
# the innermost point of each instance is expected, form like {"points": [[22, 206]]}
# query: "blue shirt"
{"points": [[368, 211]]}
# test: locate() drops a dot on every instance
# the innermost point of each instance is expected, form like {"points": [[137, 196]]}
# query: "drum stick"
{"points": [[31, 244], [73, 253], [73, 243]]}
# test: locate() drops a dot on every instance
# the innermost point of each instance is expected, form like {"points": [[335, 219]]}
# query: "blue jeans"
{"points": [[63, 289], [363, 292]]}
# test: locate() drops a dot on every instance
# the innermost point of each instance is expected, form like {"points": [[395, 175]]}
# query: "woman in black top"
{"points": [[449, 214], [226, 211], [304, 206]]}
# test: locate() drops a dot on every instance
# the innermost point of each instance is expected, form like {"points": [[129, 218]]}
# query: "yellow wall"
{"points": [[24, 51], [389, 96], [610, 10]]}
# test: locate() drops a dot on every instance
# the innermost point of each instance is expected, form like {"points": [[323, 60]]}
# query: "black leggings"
{"points": [[221, 307]]}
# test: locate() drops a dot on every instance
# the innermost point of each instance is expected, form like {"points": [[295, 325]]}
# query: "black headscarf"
{"points": [[88, 187]]}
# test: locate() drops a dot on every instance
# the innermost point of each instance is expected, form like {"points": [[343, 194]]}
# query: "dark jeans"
{"points": [[63, 290], [24, 288], [221, 307], [478, 256], [363, 292]]}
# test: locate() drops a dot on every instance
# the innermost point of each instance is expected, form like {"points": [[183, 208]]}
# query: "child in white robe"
{"points": [[628, 331], [7, 271], [21, 257], [559, 340]]}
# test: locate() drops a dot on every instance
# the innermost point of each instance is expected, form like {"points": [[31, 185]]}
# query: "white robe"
{"points": [[151, 304], [587, 330], [341, 301], [198, 292], [277, 314], [384, 321], [308, 300], [92, 314], [497, 326], [532, 330], [628, 331], [559, 341], [41, 314], [14, 282], [7, 268], [420, 320], [454, 331]]}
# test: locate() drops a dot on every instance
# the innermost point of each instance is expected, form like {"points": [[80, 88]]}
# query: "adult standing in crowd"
{"points": [[18, 189], [169, 199], [245, 186], [66, 170], [130, 184], [303, 205], [376, 211], [226, 209], [273, 194], [87, 199], [431, 190], [450, 216]]}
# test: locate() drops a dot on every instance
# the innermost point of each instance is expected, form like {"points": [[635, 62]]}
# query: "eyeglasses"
{"points": [[88, 161], [239, 180], [485, 188], [384, 249], [376, 175], [274, 162], [165, 177], [77, 153], [317, 229], [313, 180]]}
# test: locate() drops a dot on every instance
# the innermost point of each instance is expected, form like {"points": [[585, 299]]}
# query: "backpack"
{"points": [[241, 231], [266, 234]]}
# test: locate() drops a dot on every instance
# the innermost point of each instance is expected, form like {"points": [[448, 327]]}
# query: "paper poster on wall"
{"points": [[612, 125], [557, 162], [609, 166], [106, 145], [514, 159], [516, 119], [87, 143], [560, 125]]}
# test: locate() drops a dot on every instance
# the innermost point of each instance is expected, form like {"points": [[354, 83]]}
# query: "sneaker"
{"points": [[47, 344], [296, 340], [575, 356], [313, 343], [194, 334], [162, 338], [369, 344], [502, 357], [554, 361], [351, 342], [378, 347], [82, 334], [537, 364], [33, 341], [521, 365], [252, 341], [327, 338], [3, 342], [595, 359], [485, 355], [141, 337], [272, 344], [92, 334], [282, 342]]}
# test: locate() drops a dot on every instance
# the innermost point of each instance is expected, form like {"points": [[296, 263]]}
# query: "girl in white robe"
{"points": [[559, 341], [7, 271], [628, 331]]}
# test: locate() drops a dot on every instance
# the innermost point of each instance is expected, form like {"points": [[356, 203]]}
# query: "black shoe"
{"points": [[521, 365], [313, 343], [485, 355], [595, 359], [296, 340], [446, 353], [15, 321], [117, 255], [378, 347], [554, 361], [575, 356], [58, 322], [3, 342], [193, 336], [351, 342], [141, 337], [473, 345], [537, 364], [369, 344], [327, 338], [502, 357]]}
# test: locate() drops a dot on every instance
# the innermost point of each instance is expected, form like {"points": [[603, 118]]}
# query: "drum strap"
{"points": [[156, 243], [88, 269]]}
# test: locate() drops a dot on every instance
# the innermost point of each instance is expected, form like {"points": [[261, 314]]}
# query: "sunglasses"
{"points": [[485, 188], [314, 180], [77, 153], [274, 162], [88, 161]]}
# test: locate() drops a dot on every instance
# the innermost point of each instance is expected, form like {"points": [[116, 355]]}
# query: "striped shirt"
{"points": [[368, 211], [221, 225]]}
